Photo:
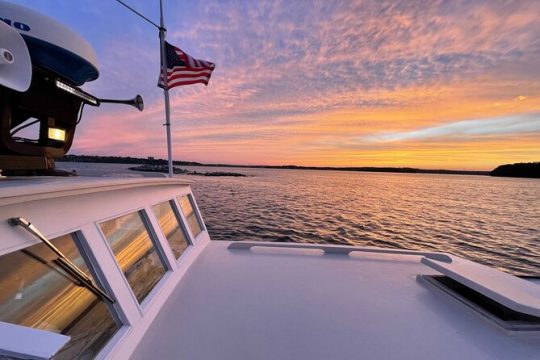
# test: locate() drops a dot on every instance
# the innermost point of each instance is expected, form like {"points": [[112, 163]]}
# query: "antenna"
{"points": [[15, 64]]}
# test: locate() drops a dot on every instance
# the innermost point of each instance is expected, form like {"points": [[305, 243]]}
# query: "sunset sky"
{"points": [[429, 84]]}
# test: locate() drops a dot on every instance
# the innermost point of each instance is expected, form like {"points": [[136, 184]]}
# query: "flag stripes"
{"points": [[182, 69]]}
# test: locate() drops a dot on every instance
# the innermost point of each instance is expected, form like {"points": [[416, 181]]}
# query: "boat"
{"points": [[124, 268]]}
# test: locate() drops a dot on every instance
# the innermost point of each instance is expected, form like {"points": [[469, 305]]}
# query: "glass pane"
{"points": [[38, 294], [191, 216], [134, 252], [171, 227]]}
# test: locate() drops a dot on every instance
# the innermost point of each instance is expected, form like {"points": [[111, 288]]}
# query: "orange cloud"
{"points": [[302, 84]]}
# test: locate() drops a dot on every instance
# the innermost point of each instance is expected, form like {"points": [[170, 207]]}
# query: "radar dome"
{"points": [[52, 45]]}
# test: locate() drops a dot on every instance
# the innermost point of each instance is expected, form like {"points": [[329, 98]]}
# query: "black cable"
{"points": [[37, 120], [22, 127], [80, 114]]}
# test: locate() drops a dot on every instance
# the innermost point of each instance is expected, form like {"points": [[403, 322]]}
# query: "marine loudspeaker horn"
{"points": [[15, 63], [137, 102]]}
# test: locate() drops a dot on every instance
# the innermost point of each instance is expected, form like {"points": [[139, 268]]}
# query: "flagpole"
{"points": [[167, 124]]}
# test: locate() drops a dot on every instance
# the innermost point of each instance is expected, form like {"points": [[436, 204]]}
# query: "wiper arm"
{"points": [[62, 260]]}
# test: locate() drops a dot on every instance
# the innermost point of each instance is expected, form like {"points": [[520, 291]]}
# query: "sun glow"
{"points": [[346, 84]]}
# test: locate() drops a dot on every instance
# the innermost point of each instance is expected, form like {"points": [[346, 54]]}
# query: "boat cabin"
{"points": [[134, 239], [153, 285], [123, 268]]}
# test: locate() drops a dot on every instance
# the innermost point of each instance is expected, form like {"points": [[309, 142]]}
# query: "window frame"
{"points": [[183, 227], [195, 208], [154, 238], [99, 275], [82, 245]]}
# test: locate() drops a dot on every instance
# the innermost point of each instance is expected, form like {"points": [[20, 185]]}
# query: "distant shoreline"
{"points": [[152, 161], [163, 168]]}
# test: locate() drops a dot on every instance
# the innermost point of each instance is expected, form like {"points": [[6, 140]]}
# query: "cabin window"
{"points": [[169, 223], [38, 293], [193, 221], [135, 252]]}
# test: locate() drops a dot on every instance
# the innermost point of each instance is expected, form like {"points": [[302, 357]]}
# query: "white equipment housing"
{"points": [[15, 64], [51, 44]]}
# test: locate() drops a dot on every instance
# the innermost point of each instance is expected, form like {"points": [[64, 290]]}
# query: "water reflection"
{"points": [[171, 228], [190, 215], [494, 221], [37, 293], [134, 252]]}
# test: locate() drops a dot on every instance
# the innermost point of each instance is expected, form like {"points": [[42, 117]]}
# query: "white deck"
{"points": [[224, 300], [241, 304]]}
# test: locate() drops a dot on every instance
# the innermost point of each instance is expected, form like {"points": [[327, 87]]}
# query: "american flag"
{"points": [[182, 69]]}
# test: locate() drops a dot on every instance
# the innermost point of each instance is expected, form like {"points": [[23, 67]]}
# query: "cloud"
{"points": [[509, 125], [303, 81]]}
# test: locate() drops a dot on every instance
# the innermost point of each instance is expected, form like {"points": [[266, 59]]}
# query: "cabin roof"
{"points": [[21, 189], [256, 303]]}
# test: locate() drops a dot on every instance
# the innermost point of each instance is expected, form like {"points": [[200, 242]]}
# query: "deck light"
{"points": [[79, 93], [57, 134]]}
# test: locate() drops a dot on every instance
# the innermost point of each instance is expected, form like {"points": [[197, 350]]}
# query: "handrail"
{"points": [[340, 250]]}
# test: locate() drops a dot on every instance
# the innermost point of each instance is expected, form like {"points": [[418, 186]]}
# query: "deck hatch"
{"points": [[492, 310]]}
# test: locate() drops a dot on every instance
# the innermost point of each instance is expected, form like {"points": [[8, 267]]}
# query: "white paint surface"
{"points": [[27, 343], [517, 294], [237, 304]]}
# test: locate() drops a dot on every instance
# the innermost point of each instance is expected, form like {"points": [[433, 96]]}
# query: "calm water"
{"points": [[495, 221]]}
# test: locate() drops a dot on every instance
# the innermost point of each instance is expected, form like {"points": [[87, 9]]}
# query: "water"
{"points": [[495, 221]]}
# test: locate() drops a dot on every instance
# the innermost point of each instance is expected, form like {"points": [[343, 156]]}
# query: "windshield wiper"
{"points": [[62, 261]]}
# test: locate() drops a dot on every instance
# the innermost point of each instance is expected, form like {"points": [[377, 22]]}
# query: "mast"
{"points": [[167, 124], [162, 31]]}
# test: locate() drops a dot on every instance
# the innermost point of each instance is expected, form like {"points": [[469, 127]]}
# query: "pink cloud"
{"points": [[301, 78]]}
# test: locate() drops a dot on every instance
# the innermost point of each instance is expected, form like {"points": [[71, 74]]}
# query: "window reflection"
{"points": [[36, 293], [169, 224], [134, 252], [191, 217]]}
